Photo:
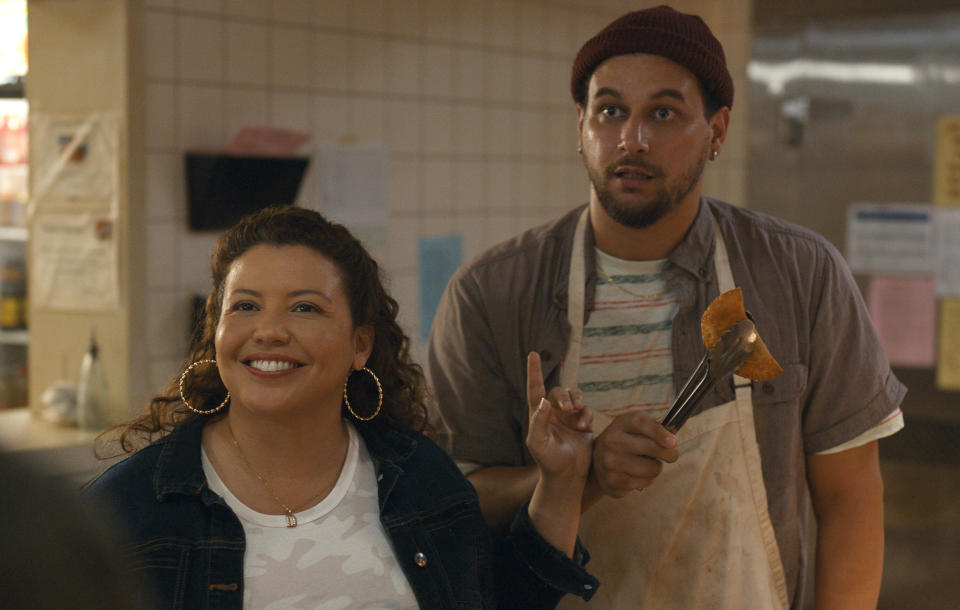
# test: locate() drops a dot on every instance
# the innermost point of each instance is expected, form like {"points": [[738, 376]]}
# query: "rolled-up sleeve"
{"points": [[852, 388]]}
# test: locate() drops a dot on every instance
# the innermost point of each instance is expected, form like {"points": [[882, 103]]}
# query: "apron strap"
{"points": [[576, 288], [721, 262], [744, 400]]}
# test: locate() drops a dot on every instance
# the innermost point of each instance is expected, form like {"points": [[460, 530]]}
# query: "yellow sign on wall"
{"points": [[946, 162], [948, 358]]}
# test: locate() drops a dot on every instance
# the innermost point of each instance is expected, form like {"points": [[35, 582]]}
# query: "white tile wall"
{"points": [[368, 70], [331, 55], [369, 119], [291, 57], [469, 189], [289, 110], [166, 323], [404, 67], [439, 71], [292, 11], [200, 117], [500, 23], [331, 116], [161, 249], [331, 13], [370, 16], [438, 188], [245, 107], [471, 98], [470, 127], [468, 77], [499, 130], [256, 9], [213, 7], [532, 80], [246, 53], [200, 53], [469, 22], [437, 127], [406, 18], [160, 40], [403, 127], [161, 117], [166, 190], [193, 261]]}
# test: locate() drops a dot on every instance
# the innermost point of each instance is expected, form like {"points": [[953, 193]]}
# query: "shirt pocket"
{"points": [[160, 566], [788, 387]]}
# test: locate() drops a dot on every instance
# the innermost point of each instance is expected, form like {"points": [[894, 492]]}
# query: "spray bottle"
{"points": [[92, 405]]}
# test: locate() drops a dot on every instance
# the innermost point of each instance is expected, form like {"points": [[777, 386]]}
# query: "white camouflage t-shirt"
{"points": [[337, 557]]}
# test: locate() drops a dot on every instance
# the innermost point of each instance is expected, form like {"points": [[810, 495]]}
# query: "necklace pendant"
{"points": [[291, 519]]}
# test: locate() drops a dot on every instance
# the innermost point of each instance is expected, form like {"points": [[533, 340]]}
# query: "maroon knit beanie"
{"points": [[682, 38]]}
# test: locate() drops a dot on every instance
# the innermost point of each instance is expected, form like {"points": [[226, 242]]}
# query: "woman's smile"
{"points": [[264, 365]]}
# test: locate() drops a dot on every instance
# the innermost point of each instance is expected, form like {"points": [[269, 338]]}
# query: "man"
{"points": [[611, 295]]}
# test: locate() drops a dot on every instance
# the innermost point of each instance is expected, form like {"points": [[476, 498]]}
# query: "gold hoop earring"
{"points": [[184, 398], [346, 399]]}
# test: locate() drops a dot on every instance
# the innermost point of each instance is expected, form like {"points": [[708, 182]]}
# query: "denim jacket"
{"points": [[185, 539]]}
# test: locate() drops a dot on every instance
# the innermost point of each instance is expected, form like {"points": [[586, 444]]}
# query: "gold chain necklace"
{"points": [[633, 294], [287, 511]]}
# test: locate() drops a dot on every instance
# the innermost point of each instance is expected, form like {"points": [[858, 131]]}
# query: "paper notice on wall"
{"points": [[75, 163], [947, 260], [350, 185], [351, 182], [946, 162], [904, 312], [890, 238], [948, 352], [74, 262]]}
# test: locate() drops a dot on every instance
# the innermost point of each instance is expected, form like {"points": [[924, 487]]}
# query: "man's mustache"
{"points": [[634, 162]]}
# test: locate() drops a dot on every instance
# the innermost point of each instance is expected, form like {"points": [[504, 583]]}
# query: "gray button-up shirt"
{"points": [[511, 300]]}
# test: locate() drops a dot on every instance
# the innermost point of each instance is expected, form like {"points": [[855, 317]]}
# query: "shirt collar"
{"points": [[179, 469], [694, 253], [387, 443]]}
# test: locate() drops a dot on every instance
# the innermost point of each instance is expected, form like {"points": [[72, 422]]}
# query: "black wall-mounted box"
{"points": [[221, 189]]}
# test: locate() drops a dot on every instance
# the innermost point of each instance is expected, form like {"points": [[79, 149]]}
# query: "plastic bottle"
{"points": [[13, 289], [92, 405]]}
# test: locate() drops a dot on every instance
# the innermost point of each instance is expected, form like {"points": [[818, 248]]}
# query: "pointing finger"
{"points": [[535, 388]]}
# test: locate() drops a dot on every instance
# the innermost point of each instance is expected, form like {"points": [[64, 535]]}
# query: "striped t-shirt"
{"points": [[625, 360]]}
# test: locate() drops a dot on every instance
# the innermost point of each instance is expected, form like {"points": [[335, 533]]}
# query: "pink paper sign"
{"points": [[266, 142], [904, 312]]}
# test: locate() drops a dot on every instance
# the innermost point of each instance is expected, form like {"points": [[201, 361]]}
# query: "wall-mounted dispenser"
{"points": [[221, 188]]}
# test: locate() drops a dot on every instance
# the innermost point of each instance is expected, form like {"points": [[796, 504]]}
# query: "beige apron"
{"points": [[700, 536]]}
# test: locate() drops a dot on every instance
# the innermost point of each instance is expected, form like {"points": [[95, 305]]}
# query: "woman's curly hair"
{"points": [[404, 389]]}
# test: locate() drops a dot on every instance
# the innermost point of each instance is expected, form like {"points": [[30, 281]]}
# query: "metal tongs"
{"points": [[728, 354]]}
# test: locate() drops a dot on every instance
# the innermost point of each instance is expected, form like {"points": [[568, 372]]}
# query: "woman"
{"points": [[286, 468]]}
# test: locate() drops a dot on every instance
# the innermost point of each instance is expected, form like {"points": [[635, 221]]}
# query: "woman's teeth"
{"points": [[271, 366]]}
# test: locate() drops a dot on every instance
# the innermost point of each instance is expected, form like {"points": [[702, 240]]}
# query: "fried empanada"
{"points": [[726, 310]]}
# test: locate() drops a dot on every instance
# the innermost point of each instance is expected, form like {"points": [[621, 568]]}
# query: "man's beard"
{"points": [[665, 199]]}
